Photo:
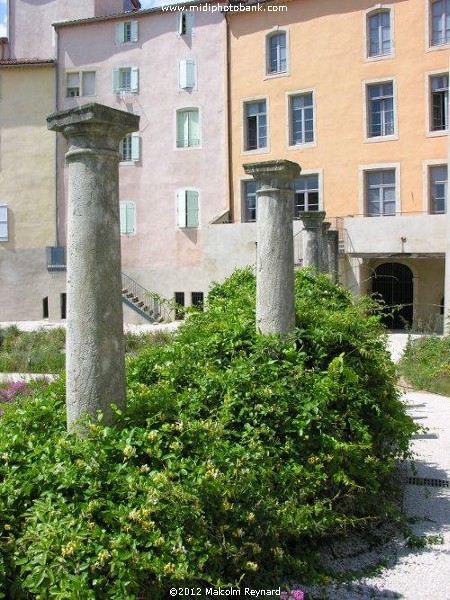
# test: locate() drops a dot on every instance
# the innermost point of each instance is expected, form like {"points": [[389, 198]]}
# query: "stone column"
{"points": [[312, 238], [95, 358], [333, 253], [325, 258], [275, 311]]}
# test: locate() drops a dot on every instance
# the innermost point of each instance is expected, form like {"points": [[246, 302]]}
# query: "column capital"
{"points": [[278, 173], [312, 219], [325, 227]]}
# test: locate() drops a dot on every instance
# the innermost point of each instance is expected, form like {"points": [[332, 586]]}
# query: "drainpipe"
{"points": [[57, 139], [228, 124]]}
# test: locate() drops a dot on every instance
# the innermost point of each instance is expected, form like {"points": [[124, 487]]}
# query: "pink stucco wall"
{"points": [[30, 22], [159, 245]]}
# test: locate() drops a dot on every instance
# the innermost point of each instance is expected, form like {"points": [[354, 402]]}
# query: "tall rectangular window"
{"points": [[127, 218], [180, 303], [381, 109], [188, 209], [381, 192], [185, 23], [125, 79], [249, 209], [126, 31], [197, 299], [130, 148], [63, 305], [439, 102], [379, 30], [306, 194], [302, 119], [3, 222], [276, 51], [188, 128], [438, 189], [255, 125], [80, 83], [187, 74], [440, 22]]}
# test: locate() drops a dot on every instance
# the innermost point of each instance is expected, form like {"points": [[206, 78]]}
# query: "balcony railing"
{"points": [[56, 258]]}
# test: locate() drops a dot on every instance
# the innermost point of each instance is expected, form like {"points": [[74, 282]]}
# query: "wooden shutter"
{"points": [[116, 80], [194, 129], [120, 33], [134, 79], [135, 146], [190, 73], [181, 208], [191, 208], [134, 31]]}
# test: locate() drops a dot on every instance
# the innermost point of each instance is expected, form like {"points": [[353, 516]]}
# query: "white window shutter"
{"points": [[116, 80], [194, 129], [191, 208], [183, 74], [123, 218], [134, 31], [3, 222], [130, 218], [120, 33], [181, 201], [190, 73], [189, 22], [135, 146], [134, 79]]}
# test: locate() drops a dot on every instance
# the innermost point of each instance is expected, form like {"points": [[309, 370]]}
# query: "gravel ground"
{"points": [[34, 325]]}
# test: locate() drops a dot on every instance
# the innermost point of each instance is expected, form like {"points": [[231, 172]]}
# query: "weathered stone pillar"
{"points": [[275, 311], [95, 358], [333, 253], [312, 238], [325, 258]]}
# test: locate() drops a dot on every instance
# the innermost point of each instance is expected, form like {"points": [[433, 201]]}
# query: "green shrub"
{"points": [[425, 364], [237, 456], [39, 351]]}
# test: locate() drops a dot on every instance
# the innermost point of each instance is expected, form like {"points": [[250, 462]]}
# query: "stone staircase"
{"points": [[146, 304]]}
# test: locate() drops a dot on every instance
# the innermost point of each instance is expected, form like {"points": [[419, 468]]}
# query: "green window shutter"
{"points": [[194, 131], [181, 208], [116, 80], [182, 129], [120, 33], [191, 208], [134, 79], [135, 147], [134, 31], [130, 219], [190, 73], [123, 218], [183, 74]]}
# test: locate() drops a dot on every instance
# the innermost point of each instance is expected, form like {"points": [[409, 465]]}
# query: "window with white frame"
{"points": [[80, 83], [130, 148], [3, 222], [439, 102], [126, 31], [438, 182], [127, 218], [187, 209], [255, 115], [302, 119], [249, 207], [306, 194], [276, 53], [381, 120], [379, 36], [188, 128], [380, 192], [440, 22], [185, 23], [126, 79], [187, 72]]}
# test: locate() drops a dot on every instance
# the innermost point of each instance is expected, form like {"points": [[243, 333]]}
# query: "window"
{"points": [[187, 209], [249, 210], [302, 119], [379, 34], [440, 22], [45, 307], [127, 31], [381, 109], [127, 218], [185, 23], [80, 83], [306, 194], [130, 148], [439, 102], [63, 305], [197, 299], [255, 125], [187, 74], [126, 79], [381, 192], [188, 129], [438, 189], [3, 222], [276, 53], [180, 303]]}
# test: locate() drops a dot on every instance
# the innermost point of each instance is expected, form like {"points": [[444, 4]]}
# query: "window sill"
{"points": [[128, 163], [264, 150], [381, 138], [370, 59], [276, 75], [438, 133], [303, 146], [436, 47]]}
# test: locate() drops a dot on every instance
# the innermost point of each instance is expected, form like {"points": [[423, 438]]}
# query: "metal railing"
{"points": [[148, 304], [56, 258]]}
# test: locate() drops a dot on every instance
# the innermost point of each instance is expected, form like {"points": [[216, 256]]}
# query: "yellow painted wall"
{"points": [[327, 54], [27, 156]]}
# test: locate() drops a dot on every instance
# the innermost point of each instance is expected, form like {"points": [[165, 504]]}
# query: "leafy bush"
{"points": [[237, 456], [425, 364]]}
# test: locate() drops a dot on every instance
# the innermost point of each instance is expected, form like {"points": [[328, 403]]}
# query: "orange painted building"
{"points": [[357, 93]]}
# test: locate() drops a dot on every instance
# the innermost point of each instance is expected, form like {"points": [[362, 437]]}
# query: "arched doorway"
{"points": [[394, 283]]}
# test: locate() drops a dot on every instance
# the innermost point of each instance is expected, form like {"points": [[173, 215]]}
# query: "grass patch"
{"points": [[43, 351], [426, 364]]}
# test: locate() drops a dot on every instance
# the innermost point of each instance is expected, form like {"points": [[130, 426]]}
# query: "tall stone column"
{"points": [[275, 311], [333, 253], [325, 258], [312, 238], [95, 358]]}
